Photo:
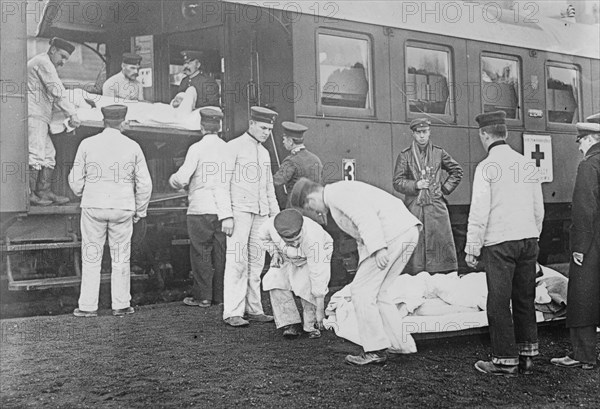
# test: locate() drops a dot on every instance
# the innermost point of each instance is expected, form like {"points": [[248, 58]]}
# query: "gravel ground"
{"points": [[171, 355]]}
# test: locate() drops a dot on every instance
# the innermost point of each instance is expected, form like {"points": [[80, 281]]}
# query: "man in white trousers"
{"points": [[249, 182], [300, 264], [386, 234], [111, 177]]}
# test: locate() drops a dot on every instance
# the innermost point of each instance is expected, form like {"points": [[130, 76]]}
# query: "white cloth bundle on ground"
{"points": [[436, 303]]}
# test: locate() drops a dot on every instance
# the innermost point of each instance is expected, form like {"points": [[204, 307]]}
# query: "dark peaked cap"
{"points": [[210, 116], [62, 44], [114, 112], [131, 58], [261, 114], [299, 192], [419, 123], [587, 128], [189, 55], [491, 118], [593, 118], [288, 223], [294, 130]]}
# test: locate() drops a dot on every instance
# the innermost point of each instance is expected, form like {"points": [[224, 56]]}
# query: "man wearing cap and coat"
{"points": [[125, 84], [207, 88], [113, 198], [507, 241], [418, 175], [202, 174], [583, 297], [300, 264], [300, 162], [251, 200], [386, 234], [44, 90]]}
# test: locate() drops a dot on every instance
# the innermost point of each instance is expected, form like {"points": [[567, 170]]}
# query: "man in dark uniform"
{"points": [[418, 176], [207, 89], [583, 297], [300, 162]]}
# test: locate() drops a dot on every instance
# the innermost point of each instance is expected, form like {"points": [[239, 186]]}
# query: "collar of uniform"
{"points": [[297, 149], [497, 143], [113, 131], [594, 150], [195, 74], [211, 136], [252, 138]]}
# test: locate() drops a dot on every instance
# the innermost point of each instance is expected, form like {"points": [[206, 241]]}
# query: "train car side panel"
{"points": [[13, 106]]}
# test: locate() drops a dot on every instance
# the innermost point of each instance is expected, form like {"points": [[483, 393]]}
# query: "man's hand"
{"points": [[74, 121], [227, 226], [382, 258], [578, 258], [471, 260], [422, 184], [136, 218], [276, 260]]}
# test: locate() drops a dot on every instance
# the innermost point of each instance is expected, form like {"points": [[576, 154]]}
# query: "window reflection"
{"points": [[562, 94], [345, 71], [500, 86], [427, 80]]}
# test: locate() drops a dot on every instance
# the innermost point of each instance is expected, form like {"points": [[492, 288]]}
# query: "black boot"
{"points": [[44, 185], [525, 365], [34, 200]]}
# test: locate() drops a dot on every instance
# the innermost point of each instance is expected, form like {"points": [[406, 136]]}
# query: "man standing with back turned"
{"points": [[111, 176], [505, 222]]}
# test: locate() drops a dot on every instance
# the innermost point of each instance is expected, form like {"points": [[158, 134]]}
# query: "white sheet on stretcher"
{"points": [[429, 304], [144, 113]]}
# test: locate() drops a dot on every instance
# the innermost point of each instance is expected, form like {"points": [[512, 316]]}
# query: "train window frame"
{"points": [[345, 111], [509, 57], [451, 103], [579, 111]]}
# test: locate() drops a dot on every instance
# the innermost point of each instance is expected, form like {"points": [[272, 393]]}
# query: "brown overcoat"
{"points": [[436, 251]]}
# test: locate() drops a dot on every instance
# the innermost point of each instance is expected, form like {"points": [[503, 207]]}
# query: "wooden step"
{"points": [[55, 282]]}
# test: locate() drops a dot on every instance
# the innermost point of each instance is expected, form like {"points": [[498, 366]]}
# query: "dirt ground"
{"points": [[172, 355]]}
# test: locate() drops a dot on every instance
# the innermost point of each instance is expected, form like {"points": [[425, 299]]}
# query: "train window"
{"points": [[428, 78], [562, 93], [345, 76], [500, 88]]}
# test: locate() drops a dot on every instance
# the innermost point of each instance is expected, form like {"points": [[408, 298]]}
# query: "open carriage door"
{"points": [[13, 108]]}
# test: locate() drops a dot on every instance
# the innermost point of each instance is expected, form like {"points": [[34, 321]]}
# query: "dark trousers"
{"points": [[510, 274], [583, 341], [207, 256]]}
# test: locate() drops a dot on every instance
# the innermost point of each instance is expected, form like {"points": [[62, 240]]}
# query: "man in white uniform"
{"points": [[252, 196], [300, 264], [45, 89], [208, 202], [386, 234], [125, 85], [113, 198]]}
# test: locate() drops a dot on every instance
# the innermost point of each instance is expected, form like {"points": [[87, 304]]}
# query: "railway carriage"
{"points": [[355, 75]]}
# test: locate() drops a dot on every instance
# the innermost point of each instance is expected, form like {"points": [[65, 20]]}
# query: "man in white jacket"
{"points": [[300, 264], [505, 222], [386, 234], [251, 200], [111, 176], [208, 200]]}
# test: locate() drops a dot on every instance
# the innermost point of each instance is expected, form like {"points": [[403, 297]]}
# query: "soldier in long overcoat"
{"points": [[418, 175], [583, 296]]}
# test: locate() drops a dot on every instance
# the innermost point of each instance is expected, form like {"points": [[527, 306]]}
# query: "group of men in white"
{"points": [[233, 210]]}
